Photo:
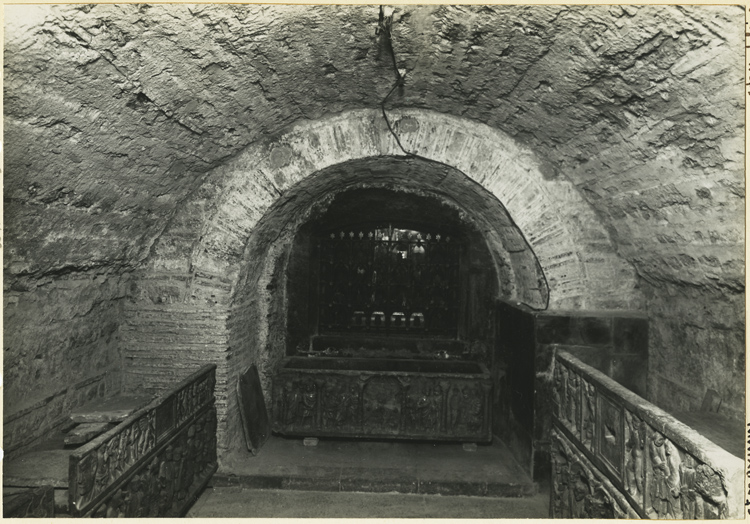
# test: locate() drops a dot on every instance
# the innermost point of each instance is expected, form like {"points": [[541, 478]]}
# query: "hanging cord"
{"points": [[384, 28]]}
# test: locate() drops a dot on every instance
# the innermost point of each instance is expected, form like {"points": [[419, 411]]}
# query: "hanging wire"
{"points": [[384, 28]]}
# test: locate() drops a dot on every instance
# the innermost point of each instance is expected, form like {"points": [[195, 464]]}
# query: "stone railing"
{"points": [[153, 464], [615, 455]]}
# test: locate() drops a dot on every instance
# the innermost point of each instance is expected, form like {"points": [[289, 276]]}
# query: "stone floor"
{"points": [[727, 434], [376, 466], [239, 502]]}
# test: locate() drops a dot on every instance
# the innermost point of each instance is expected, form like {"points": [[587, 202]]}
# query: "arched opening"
{"points": [[384, 258], [388, 274]]}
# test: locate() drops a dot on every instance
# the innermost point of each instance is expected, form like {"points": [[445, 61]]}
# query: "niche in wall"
{"points": [[390, 274]]}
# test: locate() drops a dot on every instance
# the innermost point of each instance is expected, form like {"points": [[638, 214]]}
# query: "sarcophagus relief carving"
{"points": [[379, 398]]}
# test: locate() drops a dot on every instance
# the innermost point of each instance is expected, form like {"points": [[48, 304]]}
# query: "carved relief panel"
{"points": [[610, 441], [367, 403], [635, 446], [134, 471], [588, 414], [578, 491], [652, 473]]}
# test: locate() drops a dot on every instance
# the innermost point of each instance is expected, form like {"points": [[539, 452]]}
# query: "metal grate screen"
{"points": [[388, 280]]}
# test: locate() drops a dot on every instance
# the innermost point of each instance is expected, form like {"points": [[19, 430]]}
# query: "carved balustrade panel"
{"points": [[659, 467], [167, 448], [579, 489], [33, 503]]}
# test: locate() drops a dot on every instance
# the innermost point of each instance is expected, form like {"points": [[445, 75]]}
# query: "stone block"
{"points": [[596, 331], [630, 335], [86, 432], [552, 329], [115, 409]]}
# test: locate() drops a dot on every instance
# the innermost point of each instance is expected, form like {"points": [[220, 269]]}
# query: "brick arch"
{"points": [[573, 248]]}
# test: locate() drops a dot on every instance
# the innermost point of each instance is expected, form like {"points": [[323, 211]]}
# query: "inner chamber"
{"points": [[390, 275], [383, 274]]}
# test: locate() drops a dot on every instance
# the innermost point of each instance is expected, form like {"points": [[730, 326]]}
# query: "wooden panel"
{"points": [[253, 412]]}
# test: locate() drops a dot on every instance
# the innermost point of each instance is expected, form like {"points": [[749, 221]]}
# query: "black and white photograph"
{"points": [[374, 261]]}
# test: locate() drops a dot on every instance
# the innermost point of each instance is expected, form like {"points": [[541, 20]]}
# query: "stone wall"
{"points": [[61, 348], [698, 343]]}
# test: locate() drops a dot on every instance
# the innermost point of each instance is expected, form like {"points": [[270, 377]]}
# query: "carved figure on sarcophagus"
{"points": [[166, 485], [336, 398], [579, 490], [457, 415], [183, 403], [299, 403], [473, 399], [86, 479], [601, 505], [352, 404], [588, 415], [635, 443], [101, 471], [382, 404], [558, 390], [663, 478], [691, 503], [560, 500], [424, 401], [289, 403], [309, 404], [572, 402]]}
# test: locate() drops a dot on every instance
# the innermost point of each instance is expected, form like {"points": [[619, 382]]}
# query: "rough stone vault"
{"points": [[159, 161]]}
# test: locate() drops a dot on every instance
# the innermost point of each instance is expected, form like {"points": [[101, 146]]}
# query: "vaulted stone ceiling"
{"points": [[114, 114]]}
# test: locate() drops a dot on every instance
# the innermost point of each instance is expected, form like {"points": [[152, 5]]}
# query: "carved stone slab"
{"points": [[255, 424], [85, 432], [156, 462], [115, 409]]}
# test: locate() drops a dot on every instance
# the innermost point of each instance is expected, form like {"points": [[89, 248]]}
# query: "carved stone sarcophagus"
{"points": [[382, 398]]}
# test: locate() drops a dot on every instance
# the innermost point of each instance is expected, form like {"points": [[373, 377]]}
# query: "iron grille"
{"points": [[388, 280]]}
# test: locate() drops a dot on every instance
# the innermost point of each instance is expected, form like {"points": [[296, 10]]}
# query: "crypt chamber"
{"points": [[511, 234]]}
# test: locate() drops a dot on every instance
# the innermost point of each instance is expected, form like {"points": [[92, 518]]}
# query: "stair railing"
{"points": [[615, 455], [153, 464]]}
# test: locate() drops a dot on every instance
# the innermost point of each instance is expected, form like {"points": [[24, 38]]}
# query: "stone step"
{"points": [[86, 432], [114, 409], [38, 468], [723, 432], [427, 468]]}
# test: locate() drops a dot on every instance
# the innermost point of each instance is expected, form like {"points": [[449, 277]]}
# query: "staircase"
{"points": [[28, 477]]}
